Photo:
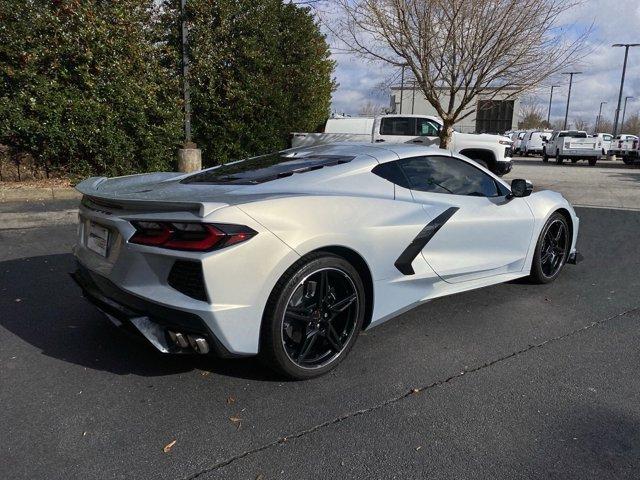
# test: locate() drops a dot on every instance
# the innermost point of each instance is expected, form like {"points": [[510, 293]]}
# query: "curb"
{"points": [[37, 193]]}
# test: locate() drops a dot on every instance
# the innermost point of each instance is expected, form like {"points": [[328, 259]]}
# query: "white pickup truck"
{"points": [[626, 147], [492, 151], [572, 145]]}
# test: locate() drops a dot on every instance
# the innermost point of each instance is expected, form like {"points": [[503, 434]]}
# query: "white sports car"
{"points": [[290, 255]]}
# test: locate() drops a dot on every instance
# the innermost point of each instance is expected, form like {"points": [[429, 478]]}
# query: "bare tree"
{"points": [[458, 49], [632, 124], [532, 115], [370, 109], [580, 123], [605, 125]]}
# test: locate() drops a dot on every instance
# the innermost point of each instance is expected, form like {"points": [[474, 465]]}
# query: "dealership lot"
{"points": [[512, 381]]}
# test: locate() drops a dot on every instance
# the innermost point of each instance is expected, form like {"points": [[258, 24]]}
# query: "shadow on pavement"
{"points": [[41, 305]]}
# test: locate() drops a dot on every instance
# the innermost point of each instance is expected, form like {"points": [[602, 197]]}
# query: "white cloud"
{"points": [[614, 21]]}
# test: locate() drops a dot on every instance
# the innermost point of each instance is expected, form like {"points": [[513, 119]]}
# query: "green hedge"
{"points": [[93, 87]]}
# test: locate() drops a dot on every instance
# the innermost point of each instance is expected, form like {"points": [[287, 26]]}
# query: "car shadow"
{"points": [[42, 306]]}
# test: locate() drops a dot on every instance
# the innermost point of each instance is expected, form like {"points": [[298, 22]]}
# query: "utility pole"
{"points": [[566, 113], [599, 116], [550, 100], [413, 98], [189, 157], [624, 70], [624, 111], [401, 87]]}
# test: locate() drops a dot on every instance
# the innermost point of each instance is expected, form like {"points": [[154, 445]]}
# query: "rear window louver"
{"points": [[265, 169]]}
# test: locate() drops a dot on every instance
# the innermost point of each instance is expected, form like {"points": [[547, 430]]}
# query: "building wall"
{"points": [[413, 101]]}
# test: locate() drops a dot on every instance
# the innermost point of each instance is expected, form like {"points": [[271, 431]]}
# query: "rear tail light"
{"points": [[196, 237]]}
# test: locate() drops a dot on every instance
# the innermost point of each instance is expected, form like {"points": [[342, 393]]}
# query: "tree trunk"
{"points": [[446, 135]]}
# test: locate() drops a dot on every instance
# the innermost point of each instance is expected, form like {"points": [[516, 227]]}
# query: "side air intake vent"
{"points": [[187, 278]]}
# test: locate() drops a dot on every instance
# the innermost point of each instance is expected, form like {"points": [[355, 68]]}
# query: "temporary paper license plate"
{"points": [[98, 239]]}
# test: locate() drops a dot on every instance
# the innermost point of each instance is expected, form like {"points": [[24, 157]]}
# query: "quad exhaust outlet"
{"points": [[197, 343]]}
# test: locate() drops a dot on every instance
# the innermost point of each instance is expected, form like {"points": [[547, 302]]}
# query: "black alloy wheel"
{"points": [[552, 249], [313, 317]]}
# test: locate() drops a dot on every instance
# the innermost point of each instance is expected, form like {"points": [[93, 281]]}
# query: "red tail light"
{"points": [[197, 237]]}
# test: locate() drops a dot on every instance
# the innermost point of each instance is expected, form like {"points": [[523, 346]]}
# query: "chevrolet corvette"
{"points": [[290, 255]]}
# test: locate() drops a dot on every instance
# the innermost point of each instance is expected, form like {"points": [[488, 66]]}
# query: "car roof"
{"points": [[381, 153]]}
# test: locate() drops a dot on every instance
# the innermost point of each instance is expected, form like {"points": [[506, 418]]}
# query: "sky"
{"points": [[614, 21]]}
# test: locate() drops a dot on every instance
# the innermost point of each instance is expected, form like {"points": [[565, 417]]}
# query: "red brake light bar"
{"points": [[196, 237]]}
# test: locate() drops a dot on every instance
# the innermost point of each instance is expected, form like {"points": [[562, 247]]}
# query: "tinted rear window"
{"points": [[265, 168]]}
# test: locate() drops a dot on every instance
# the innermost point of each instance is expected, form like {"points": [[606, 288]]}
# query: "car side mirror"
{"points": [[521, 187]]}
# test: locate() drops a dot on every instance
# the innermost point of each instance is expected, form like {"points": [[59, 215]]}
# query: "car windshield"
{"points": [[265, 168]]}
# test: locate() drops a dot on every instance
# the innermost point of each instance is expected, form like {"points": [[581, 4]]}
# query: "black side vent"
{"points": [[187, 278]]}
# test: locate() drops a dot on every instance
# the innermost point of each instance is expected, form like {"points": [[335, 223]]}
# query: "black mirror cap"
{"points": [[521, 187]]}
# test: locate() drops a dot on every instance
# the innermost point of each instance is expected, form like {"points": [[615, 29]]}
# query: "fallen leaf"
{"points": [[167, 448], [237, 421], [18, 300], [415, 390], [418, 447], [205, 373], [231, 400], [260, 477]]}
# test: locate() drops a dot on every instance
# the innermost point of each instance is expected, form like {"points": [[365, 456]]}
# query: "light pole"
{"points": [[599, 116], [550, 100], [624, 111], [189, 156], [624, 70], [566, 113], [185, 72]]}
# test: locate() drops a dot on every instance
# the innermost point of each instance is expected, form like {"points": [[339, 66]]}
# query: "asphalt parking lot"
{"points": [[512, 381]]}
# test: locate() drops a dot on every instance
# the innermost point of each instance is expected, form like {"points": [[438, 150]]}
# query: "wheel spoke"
{"points": [[559, 233], [545, 257], [322, 290], [298, 317], [343, 304], [307, 345], [333, 338]]}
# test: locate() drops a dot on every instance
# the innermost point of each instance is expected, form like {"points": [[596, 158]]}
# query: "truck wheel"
{"points": [[627, 160], [592, 161], [559, 158]]}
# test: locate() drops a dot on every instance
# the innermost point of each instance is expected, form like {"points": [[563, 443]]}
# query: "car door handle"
{"points": [[378, 140]]}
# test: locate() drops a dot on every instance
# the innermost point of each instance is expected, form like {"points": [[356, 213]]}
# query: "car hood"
{"points": [[481, 137]]}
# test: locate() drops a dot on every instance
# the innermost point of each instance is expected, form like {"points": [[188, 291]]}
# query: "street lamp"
{"points": [[185, 72], [624, 111], [599, 116], [550, 100], [566, 113], [624, 70], [189, 156]]}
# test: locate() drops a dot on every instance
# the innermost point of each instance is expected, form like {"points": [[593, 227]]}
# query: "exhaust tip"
{"points": [[198, 344], [179, 339]]}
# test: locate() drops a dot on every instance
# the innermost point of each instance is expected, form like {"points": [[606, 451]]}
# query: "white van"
{"points": [[533, 142]]}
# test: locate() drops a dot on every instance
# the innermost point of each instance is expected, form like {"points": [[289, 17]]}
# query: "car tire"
{"points": [[627, 160], [304, 334], [541, 270], [593, 161]]}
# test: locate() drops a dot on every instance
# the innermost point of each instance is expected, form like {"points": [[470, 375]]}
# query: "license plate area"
{"points": [[98, 239]]}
